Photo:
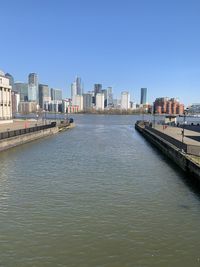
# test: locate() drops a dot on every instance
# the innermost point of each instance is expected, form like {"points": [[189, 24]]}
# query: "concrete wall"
{"points": [[168, 138], [172, 152], [25, 138]]}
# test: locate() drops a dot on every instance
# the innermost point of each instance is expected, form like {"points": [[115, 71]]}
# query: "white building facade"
{"points": [[99, 101], [78, 101], [5, 98], [125, 100]]}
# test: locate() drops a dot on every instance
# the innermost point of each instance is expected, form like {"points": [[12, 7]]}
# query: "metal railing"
{"points": [[13, 133]]}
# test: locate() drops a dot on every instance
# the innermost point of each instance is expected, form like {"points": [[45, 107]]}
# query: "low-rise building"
{"points": [[28, 107], [165, 105]]}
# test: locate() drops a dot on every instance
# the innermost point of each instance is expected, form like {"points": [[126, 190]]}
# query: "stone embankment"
{"points": [[173, 148], [15, 136]]}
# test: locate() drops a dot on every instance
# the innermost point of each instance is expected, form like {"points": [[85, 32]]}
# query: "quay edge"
{"points": [[180, 158], [32, 135]]}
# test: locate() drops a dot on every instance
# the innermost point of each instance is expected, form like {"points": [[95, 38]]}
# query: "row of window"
{"points": [[5, 89]]}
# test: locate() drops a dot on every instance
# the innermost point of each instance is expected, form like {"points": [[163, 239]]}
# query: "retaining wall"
{"points": [[172, 152], [25, 138]]}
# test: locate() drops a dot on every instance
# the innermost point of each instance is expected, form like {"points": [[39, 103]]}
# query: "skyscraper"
{"points": [[87, 102], [125, 100], [97, 90], [105, 92], [56, 94], [33, 93], [22, 89], [79, 88], [44, 96], [143, 99], [76, 89], [110, 97], [99, 101]]}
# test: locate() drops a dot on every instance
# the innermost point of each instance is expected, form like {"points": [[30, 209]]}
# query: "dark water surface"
{"points": [[97, 195]]}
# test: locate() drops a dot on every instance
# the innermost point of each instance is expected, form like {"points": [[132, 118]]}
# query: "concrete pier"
{"points": [[173, 147], [21, 132]]}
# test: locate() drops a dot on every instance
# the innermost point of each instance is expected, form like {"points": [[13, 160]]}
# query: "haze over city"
{"points": [[123, 44]]}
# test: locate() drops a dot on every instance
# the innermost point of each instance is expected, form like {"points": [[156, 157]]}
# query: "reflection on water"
{"points": [[97, 195]]}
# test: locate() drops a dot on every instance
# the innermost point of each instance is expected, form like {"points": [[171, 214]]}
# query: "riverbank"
{"points": [[21, 132], [183, 153]]}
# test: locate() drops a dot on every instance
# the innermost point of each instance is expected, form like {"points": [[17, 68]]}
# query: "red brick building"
{"points": [[165, 105]]}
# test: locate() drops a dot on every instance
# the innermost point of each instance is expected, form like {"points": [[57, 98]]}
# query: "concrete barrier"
{"points": [[25, 138], [171, 151]]}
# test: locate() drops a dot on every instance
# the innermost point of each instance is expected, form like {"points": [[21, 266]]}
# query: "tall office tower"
{"points": [[125, 100], [76, 89], [44, 96], [33, 94], [56, 94], [22, 89], [143, 99], [15, 96], [110, 97], [73, 90], [105, 92], [87, 102], [97, 90], [79, 88], [11, 79], [5, 97], [99, 101]]}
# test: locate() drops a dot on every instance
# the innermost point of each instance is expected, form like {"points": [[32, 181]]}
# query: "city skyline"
{"points": [[132, 44]]}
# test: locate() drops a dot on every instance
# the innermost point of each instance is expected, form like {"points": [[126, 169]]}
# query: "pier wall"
{"points": [[171, 151], [25, 138]]}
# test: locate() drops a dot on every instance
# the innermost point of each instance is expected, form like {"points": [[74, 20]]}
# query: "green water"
{"points": [[97, 195]]}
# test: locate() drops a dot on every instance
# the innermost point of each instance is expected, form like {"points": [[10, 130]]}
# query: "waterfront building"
{"points": [[166, 105], [66, 103], [79, 87], [110, 97], [56, 94], [143, 99], [105, 92], [87, 102], [125, 100], [99, 101], [15, 96], [73, 109], [97, 90], [76, 88], [73, 90], [5, 98], [117, 103], [44, 96], [194, 108], [78, 101], [33, 94], [27, 107], [22, 89], [55, 106]]}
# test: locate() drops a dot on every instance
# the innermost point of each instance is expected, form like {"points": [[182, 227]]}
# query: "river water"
{"points": [[98, 195]]}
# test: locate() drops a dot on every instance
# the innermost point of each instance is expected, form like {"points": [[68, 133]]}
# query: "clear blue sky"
{"points": [[127, 44]]}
